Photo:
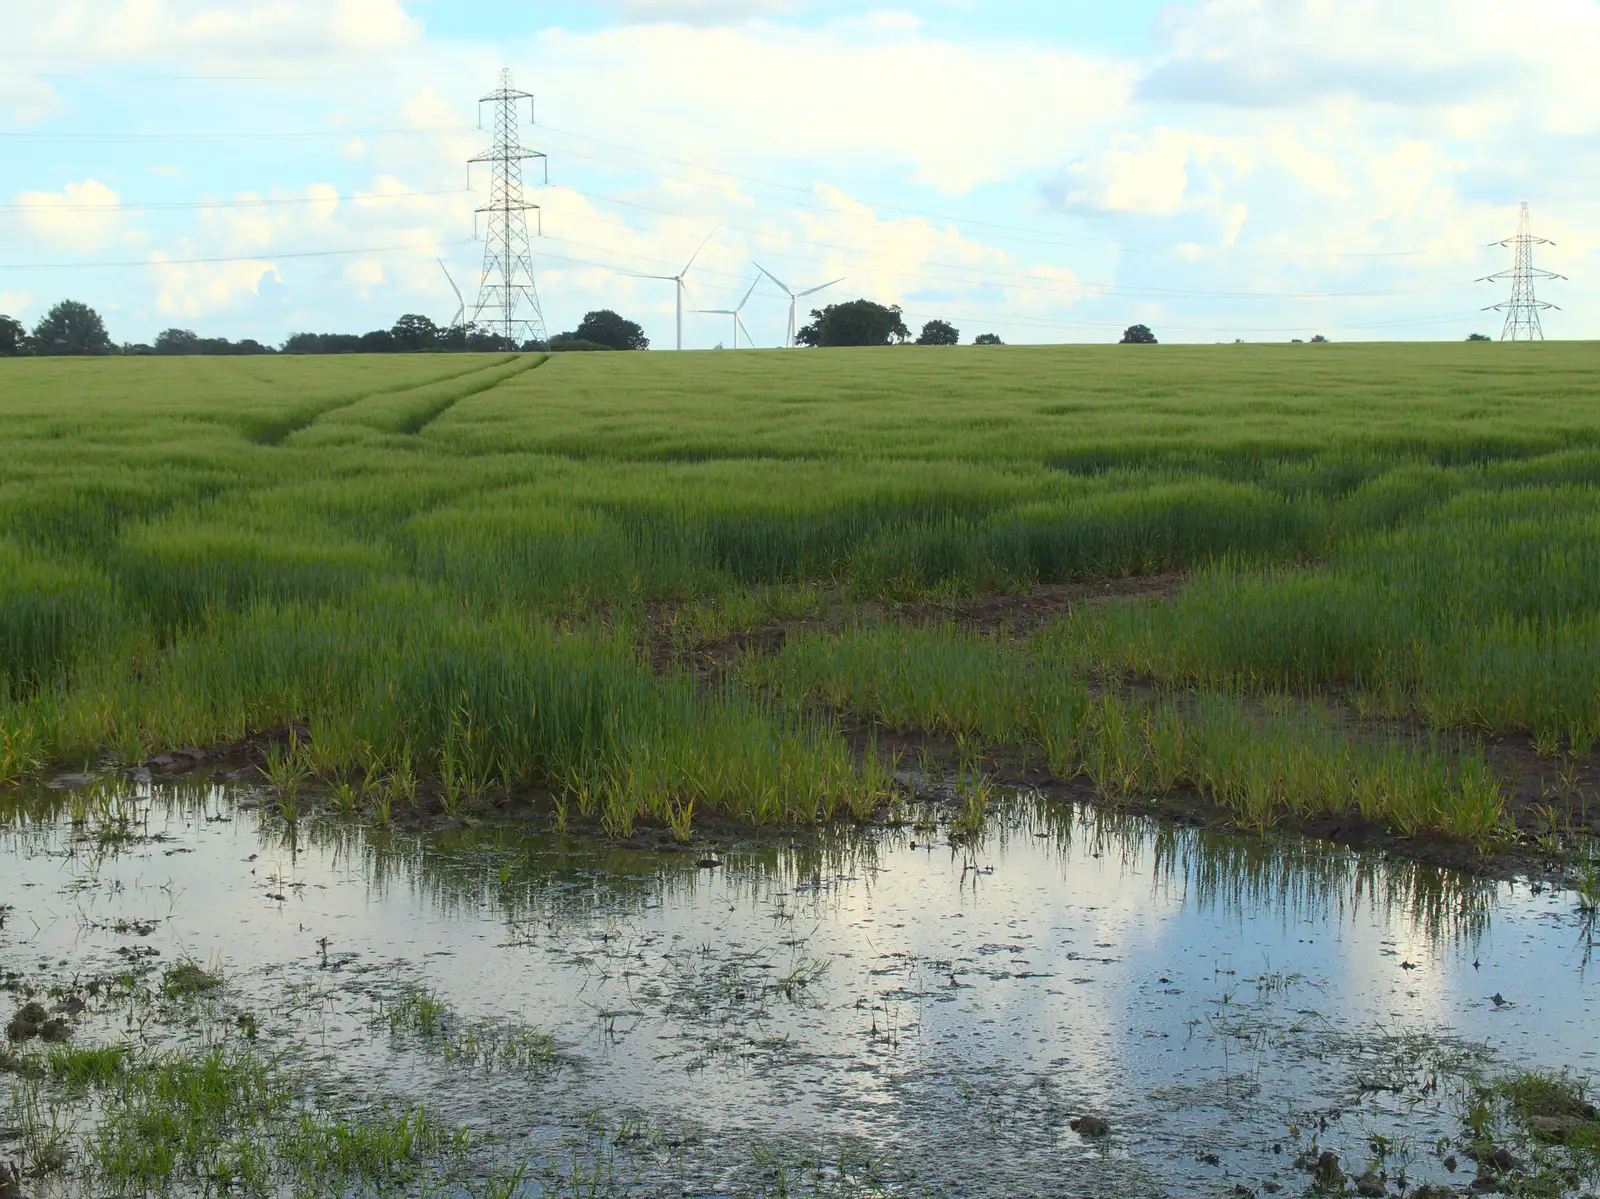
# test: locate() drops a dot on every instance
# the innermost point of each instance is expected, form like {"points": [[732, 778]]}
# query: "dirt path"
{"points": [[1017, 615]]}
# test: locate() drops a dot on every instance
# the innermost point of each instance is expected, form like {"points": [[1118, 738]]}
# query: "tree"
{"points": [[13, 337], [1319, 340], [177, 341], [566, 343], [71, 328], [988, 339], [322, 343], [606, 328], [1470, 336], [379, 341], [1138, 335], [856, 323], [939, 333], [414, 332]]}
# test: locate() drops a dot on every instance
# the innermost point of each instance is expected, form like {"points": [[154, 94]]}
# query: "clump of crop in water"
{"points": [[419, 1013], [974, 793], [188, 979], [205, 1118], [286, 769]]}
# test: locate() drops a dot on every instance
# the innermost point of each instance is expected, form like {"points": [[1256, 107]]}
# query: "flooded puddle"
{"points": [[874, 1013]]}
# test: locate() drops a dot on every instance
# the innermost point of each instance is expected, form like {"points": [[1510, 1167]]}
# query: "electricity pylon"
{"points": [[508, 302], [1523, 308]]}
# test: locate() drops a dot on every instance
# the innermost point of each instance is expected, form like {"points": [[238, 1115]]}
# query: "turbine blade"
{"points": [[748, 294], [815, 290], [774, 278], [703, 245], [461, 303]]}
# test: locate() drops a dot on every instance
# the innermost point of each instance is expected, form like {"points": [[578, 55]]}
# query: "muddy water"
{"points": [[920, 1017]]}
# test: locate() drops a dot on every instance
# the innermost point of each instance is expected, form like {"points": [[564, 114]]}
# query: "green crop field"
{"points": [[457, 572]]}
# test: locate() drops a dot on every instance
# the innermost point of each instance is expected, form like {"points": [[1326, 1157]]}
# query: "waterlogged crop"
{"points": [[464, 580]]}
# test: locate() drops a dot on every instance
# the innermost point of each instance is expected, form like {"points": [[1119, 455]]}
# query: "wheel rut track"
{"points": [[278, 432]]}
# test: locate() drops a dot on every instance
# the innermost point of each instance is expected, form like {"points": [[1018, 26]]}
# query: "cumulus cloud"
{"points": [[703, 12], [1432, 54], [186, 290], [82, 216], [954, 115], [1151, 173], [203, 33]]}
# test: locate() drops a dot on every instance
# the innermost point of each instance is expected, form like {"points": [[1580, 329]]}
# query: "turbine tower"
{"points": [[738, 321], [1523, 308], [508, 302], [794, 302], [678, 279]]}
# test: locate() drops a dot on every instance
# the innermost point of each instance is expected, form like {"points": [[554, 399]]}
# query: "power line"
{"points": [[70, 266], [1036, 236], [1057, 322], [134, 138], [187, 205], [1020, 280], [997, 230]]}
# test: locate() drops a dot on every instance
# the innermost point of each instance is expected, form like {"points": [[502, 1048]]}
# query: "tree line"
{"points": [[865, 323], [73, 328]]}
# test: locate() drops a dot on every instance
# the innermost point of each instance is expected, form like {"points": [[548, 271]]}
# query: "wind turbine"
{"points": [[678, 279], [794, 301], [738, 321], [461, 310]]}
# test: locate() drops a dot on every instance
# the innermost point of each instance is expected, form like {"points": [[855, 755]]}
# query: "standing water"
{"points": [[877, 1012]]}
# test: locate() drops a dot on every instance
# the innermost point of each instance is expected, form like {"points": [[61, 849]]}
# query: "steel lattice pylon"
{"points": [[508, 302], [1523, 308]]}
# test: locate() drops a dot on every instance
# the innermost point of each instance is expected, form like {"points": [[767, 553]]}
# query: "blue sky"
{"points": [[1218, 169]]}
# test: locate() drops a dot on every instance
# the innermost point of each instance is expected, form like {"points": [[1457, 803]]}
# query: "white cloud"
{"points": [[864, 94], [202, 34], [14, 303], [187, 290], [82, 216], [1427, 54], [1149, 173], [703, 12], [366, 274]]}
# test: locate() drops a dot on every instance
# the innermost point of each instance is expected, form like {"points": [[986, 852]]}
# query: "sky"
{"points": [[1047, 170]]}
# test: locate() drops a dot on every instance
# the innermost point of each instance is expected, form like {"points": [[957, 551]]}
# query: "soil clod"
{"points": [[1091, 1126], [31, 1020], [1327, 1171]]}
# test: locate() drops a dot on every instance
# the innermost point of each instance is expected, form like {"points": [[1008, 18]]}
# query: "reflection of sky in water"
{"points": [[1202, 992]]}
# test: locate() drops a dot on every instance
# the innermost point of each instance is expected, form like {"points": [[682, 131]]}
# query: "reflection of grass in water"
{"points": [[1211, 869], [488, 1044]]}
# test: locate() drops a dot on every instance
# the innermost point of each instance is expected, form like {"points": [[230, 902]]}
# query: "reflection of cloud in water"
{"points": [[1193, 987]]}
